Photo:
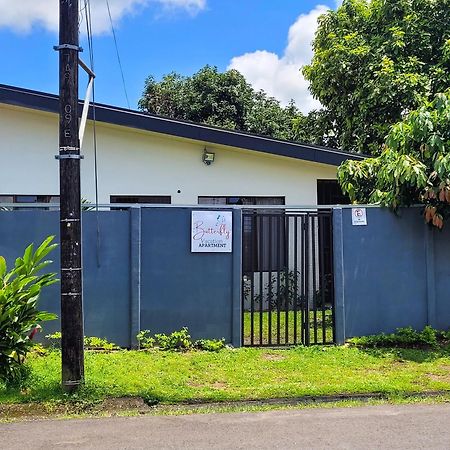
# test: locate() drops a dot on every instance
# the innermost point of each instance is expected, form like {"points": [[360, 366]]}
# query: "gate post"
{"points": [[236, 319], [339, 300], [135, 274]]}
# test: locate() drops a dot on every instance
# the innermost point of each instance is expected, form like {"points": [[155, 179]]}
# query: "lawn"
{"points": [[286, 327], [239, 374]]}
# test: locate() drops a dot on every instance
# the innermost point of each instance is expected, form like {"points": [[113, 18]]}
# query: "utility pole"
{"points": [[70, 199]]}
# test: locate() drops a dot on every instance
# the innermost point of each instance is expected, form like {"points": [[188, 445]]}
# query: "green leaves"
{"points": [[19, 292], [223, 99], [413, 168], [374, 61], [2, 267]]}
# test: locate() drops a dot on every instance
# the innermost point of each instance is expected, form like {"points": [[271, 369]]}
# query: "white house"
{"points": [[151, 159]]}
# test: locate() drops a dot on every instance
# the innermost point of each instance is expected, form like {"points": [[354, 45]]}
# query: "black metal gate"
{"points": [[287, 287]]}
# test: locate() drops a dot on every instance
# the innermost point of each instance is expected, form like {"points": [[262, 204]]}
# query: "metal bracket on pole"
{"points": [[67, 47], [72, 383], [85, 67], [69, 156]]}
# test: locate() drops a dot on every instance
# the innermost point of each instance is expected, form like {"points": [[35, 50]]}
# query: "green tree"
{"points": [[376, 60], [221, 99], [316, 127], [413, 168]]}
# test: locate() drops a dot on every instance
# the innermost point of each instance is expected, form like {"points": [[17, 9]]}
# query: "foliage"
{"points": [[220, 99], [413, 168], [284, 291], [90, 342], [316, 127], [145, 339], [178, 340], [54, 339], [96, 343], [374, 61], [19, 317], [403, 337], [209, 345]]}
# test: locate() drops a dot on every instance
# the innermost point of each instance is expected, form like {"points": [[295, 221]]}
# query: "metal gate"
{"points": [[287, 287]]}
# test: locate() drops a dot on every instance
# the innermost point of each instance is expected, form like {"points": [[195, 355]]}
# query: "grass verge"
{"points": [[170, 378]]}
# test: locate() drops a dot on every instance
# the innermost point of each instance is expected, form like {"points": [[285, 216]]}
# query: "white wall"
{"points": [[133, 162]]}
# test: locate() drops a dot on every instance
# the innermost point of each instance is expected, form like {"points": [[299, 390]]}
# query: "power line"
{"points": [[118, 55], [87, 10]]}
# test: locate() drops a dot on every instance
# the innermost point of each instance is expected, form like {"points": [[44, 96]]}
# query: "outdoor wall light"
{"points": [[208, 157]]}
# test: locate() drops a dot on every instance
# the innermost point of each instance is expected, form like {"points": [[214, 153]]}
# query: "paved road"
{"points": [[374, 427]]}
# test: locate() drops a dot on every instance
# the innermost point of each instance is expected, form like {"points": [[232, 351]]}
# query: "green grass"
{"points": [[289, 326], [242, 374]]}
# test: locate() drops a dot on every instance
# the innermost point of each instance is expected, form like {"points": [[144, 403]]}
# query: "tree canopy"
{"points": [[374, 61], [222, 99], [413, 168]]}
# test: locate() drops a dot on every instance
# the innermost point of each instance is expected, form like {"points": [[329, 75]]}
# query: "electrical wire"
{"points": [[118, 54], [87, 10]]}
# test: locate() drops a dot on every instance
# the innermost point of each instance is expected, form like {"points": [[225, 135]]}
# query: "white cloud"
{"points": [[23, 15], [279, 76]]}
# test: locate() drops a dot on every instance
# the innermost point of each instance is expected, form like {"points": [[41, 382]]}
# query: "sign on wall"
{"points": [[359, 216], [211, 231]]}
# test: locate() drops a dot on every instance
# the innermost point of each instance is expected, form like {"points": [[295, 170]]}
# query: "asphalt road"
{"points": [[373, 427]]}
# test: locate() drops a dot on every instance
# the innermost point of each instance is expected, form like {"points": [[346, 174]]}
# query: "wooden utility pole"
{"points": [[70, 199]]}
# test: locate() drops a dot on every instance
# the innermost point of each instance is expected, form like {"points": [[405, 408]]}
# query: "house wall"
{"points": [[134, 162]]}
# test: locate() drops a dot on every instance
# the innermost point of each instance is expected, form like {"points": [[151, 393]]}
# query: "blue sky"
{"points": [[267, 40]]}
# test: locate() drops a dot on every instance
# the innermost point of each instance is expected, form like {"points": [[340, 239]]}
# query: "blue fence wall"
{"points": [[139, 273], [394, 272]]}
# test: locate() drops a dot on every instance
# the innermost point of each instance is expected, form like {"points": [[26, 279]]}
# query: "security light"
{"points": [[208, 157]]}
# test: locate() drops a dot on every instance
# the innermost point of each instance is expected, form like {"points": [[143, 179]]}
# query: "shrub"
{"points": [[96, 343], [54, 339], [90, 342], [19, 317], [403, 337], [145, 340], [178, 340], [210, 345]]}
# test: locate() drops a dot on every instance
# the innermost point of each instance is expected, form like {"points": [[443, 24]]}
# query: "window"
{"points": [[148, 199], [21, 198], [264, 238], [329, 193], [241, 200]]}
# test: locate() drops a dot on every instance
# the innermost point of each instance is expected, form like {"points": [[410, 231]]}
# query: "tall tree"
{"points": [[223, 99], [376, 60]]}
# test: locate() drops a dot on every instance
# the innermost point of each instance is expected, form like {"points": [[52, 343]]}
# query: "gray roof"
{"points": [[173, 127]]}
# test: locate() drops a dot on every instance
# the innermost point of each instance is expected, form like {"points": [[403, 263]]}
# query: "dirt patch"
{"points": [[439, 377], [35, 411], [273, 357], [219, 385], [122, 404], [136, 405]]}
